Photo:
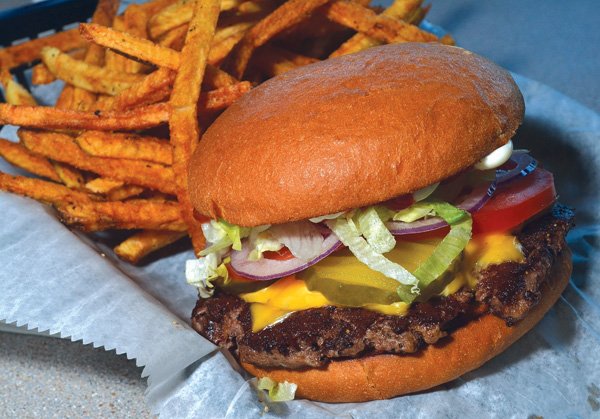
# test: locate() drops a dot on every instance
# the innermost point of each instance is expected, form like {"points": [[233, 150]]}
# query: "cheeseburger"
{"points": [[370, 230]]}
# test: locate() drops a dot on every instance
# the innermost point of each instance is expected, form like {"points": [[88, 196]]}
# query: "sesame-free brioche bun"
{"points": [[386, 376], [352, 131]]}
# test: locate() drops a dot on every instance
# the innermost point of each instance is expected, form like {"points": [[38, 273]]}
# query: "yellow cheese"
{"points": [[271, 304]]}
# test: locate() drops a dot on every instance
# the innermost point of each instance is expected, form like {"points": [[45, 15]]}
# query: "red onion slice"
{"points": [[525, 164], [471, 202], [267, 269]]}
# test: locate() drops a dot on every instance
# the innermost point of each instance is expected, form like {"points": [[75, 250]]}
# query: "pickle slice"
{"points": [[241, 286]]}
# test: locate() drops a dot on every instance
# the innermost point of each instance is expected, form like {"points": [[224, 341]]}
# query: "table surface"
{"points": [[554, 41]]}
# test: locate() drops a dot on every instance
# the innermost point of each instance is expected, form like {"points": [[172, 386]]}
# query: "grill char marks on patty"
{"points": [[312, 338]]}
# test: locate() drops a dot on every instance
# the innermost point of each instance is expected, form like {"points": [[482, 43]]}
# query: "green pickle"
{"points": [[344, 280]]}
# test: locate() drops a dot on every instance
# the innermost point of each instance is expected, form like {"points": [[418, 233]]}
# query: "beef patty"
{"points": [[312, 338]]}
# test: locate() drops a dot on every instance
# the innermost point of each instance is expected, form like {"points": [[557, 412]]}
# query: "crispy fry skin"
{"points": [[132, 214], [87, 76], [69, 176], [274, 61], [183, 123], [41, 190], [53, 118], [27, 52], [145, 242], [125, 146], [41, 75], [61, 147], [175, 38], [102, 185], [14, 93], [380, 27], [20, 156], [285, 16], [147, 51], [399, 9], [135, 22]]}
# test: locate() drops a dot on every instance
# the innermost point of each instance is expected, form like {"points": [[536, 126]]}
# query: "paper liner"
{"points": [[62, 282]]}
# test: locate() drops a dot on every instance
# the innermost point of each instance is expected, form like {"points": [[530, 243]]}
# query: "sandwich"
{"points": [[371, 230]]}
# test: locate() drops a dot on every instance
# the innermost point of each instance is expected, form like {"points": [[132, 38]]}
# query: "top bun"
{"points": [[352, 131]]}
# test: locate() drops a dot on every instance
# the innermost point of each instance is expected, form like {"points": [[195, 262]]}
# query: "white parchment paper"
{"points": [[55, 280]]}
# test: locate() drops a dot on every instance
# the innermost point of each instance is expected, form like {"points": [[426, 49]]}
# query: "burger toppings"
{"points": [[313, 337]]}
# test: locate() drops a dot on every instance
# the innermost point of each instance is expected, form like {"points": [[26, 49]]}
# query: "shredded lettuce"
{"points": [[350, 235], [202, 271], [260, 242], [322, 218], [278, 392], [373, 229], [449, 249]]}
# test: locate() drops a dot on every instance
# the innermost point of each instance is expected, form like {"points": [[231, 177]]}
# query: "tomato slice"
{"points": [[282, 254], [516, 202]]}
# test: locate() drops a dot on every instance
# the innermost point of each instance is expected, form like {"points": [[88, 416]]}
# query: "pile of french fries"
{"points": [[141, 87]]}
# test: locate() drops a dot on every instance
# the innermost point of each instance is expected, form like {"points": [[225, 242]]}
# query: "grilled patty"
{"points": [[312, 338]]}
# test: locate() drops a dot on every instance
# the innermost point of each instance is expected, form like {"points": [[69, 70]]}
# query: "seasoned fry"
{"points": [[65, 99], [102, 185], [143, 243], [225, 39], [133, 214], [399, 9], [14, 93], [27, 52], [21, 157], [41, 75], [217, 100], [113, 60], [174, 39], [153, 88], [41, 190], [274, 61], [178, 14], [183, 123], [61, 147], [124, 192], [70, 176], [285, 16], [53, 118], [106, 10], [135, 21], [155, 6], [380, 27], [125, 146], [87, 76]]}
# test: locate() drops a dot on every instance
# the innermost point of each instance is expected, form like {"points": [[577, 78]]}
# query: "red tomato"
{"points": [[282, 254], [516, 202]]}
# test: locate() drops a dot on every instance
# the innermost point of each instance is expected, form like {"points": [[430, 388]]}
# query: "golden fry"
{"points": [[183, 123], [14, 93], [125, 146], [87, 76], [225, 39], [382, 28], [174, 39], [133, 214], [155, 6], [135, 22], [29, 51], [154, 88], [102, 185], [69, 176], [124, 192], [20, 156], [217, 100], [53, 118], [399, 9], [145, 242], [274, 61], [41, 75], [41, 190], [285, 16], [61, 147]]}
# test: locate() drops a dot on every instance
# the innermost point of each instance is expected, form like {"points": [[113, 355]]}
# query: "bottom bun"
{"points": [[386, 376]]}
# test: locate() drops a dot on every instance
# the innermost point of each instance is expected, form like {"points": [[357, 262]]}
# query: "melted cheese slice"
{"points": [[273, 303]]}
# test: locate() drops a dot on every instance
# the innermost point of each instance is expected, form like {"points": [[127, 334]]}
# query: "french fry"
{"points": [[380, 27], [102, 185], [154, 88], [133, 214], [41, 75], [87, 76], [399, 9], [61, 147], [135, 21], [113, 60], [29, 51], [53, 118], [141, 244], [41, 190], [124, 192], [183, 123], [217, 100], [106, 10], [175, 38], [147, 51], [20, 156], [14, 93], [179, 14], [68, 175], [285, 16], [225, 39], [155, 6], [65, 99], [125, 146], [274, 61]]}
